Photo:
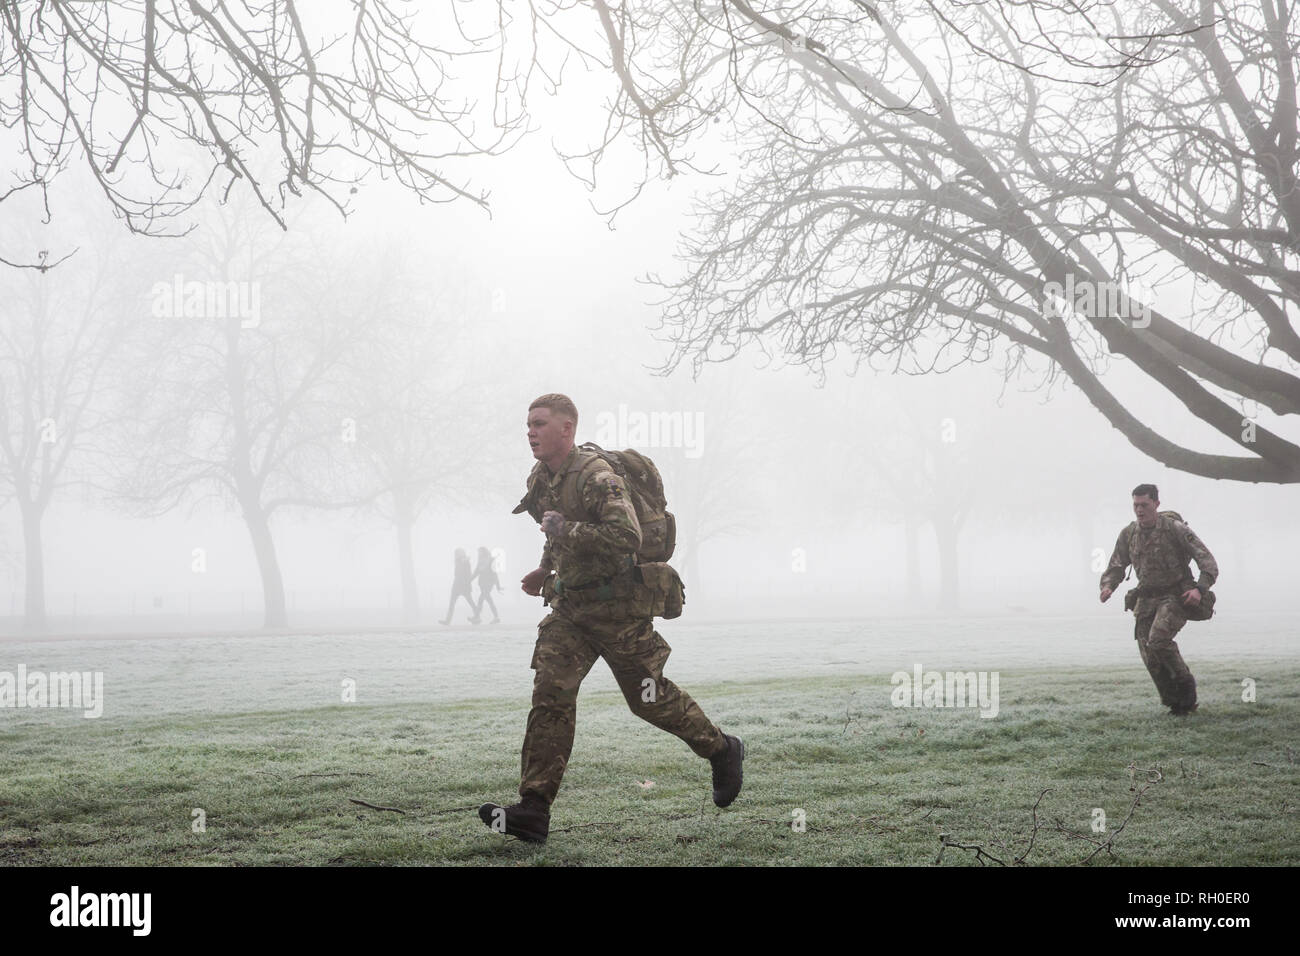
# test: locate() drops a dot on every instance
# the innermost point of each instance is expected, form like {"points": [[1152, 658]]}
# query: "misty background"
{"points": [[362, 417], [795, 497]]}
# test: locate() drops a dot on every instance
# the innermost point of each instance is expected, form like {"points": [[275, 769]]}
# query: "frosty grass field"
{"points": [[243, 750]]}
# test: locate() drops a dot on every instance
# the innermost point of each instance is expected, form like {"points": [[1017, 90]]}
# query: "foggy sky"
{"points": [[551, 302]]}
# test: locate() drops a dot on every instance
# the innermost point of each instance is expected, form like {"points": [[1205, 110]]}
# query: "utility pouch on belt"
{"points": [[1203, 611], [662, 593]]}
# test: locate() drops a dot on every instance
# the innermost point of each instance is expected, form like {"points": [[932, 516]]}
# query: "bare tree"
{"points": [[709, 488], [58, 340], [919, 181], [249, 364], [160, 101], [429, 432], [926, 463]]}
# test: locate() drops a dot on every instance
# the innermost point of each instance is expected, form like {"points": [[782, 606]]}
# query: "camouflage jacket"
{"points": [[1160, 556], [600, 535]]}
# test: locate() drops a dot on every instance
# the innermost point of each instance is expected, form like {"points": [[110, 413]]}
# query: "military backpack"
{"points": [[659, 591], [646, 488], [662, 593]]}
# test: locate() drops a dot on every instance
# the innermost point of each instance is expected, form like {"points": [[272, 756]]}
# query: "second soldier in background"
{"points": [[1159, 546]]}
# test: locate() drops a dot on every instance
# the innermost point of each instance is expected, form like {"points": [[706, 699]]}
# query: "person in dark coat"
{"points": [[486, 576], [460, 587]]}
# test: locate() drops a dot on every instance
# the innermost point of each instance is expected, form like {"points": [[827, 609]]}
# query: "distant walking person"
{"points": [[460, 587], [486, 576]]}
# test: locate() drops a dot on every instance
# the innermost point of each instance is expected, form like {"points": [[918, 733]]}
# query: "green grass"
{"points": [[878, 785]]}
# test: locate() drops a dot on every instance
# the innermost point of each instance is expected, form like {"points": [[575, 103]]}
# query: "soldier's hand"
{"points": [[1192, 598], [1105, 594], [532, 581], [552, 522]]}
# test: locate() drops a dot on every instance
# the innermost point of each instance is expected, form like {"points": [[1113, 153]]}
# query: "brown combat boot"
{"points": [[728, 774], [529, 819]]}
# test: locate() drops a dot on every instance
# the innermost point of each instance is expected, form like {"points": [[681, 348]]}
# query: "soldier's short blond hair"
{"points": [[557, 403]]}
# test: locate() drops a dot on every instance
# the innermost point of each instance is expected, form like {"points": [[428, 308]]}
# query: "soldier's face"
{"points": [[1145, 508], [549, 434]]}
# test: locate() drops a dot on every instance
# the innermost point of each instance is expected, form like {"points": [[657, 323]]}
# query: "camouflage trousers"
{"points": [[568, 642], [1157, 624]]}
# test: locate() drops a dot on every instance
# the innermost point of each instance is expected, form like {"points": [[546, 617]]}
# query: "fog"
{"points": [[435, 325], [769, 469]]}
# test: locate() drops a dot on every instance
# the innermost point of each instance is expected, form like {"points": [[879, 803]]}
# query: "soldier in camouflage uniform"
{"points": [[586, 574], [1158, 546]]}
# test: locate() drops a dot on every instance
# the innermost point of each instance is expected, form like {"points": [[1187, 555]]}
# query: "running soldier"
{"points": [[1159, 545], [588, 576]]}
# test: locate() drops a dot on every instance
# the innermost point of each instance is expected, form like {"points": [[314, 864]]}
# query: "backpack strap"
{"points": [[585, 465], [529, 501], [1132, 553]]}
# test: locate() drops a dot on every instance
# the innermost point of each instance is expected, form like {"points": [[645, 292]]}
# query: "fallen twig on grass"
{"points": [[1098, 845], [1134, 770], [436, 813], [374, 807], [1110, 840], [1033, 834], [849, 716], [341, 773], [946, 841], [580, 826], [298, 776]]}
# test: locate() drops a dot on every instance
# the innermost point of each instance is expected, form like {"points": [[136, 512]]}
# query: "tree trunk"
{"points": [[34, 621], [912, 532], [945, 532], [406, 564], [269, 567]]}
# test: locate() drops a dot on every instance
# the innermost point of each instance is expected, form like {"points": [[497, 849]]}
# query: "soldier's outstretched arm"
{"points": [[1118, 566], [615, 530]]}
